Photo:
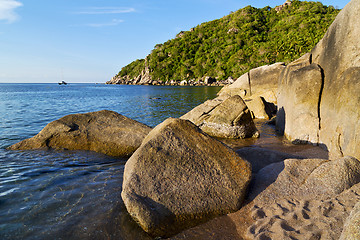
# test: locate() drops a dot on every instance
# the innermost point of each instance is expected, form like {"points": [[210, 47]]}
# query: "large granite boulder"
{"points": [[228, 118], [180, 177], [298, 101], [329, 110], [197, 114], [104, 131], [261, 81]]}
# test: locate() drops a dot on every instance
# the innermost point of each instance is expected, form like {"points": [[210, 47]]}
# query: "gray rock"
{"points": [[180, 177], [104, 131]]}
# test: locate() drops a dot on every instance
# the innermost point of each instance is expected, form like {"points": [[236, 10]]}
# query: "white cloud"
{"points": [[114, 22], [105, 10], [7, 10]]}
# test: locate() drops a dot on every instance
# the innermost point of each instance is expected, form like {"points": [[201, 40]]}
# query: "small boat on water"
{"points": [[62, 83]]}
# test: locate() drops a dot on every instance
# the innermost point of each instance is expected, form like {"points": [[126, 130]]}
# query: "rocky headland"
{"points": [[217, 52], [185, 180]]}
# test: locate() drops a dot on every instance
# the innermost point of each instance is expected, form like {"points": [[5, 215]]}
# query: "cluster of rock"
{"points": [[145, 79], [317, 98], [232, 30], [178, 175]]}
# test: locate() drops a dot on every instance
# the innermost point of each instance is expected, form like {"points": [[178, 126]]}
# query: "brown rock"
{"points": [[256, 82], [199, 113], [307, 178], [104, 131], [298, 102], [260, 108], [325, 109], [180, 177], [228, 118], [332, 177]]}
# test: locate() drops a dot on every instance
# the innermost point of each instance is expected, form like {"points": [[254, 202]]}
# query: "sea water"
{"points": [[73, 194], [76, 194]]}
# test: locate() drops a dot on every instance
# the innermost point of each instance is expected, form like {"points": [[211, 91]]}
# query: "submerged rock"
{"points": [[228, 118], [180, 177], [104, 131]]}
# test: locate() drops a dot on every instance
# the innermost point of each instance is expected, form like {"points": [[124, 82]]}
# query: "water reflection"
{"points": [[65, 195], [76, 194], [73, 195], [270, 139]]}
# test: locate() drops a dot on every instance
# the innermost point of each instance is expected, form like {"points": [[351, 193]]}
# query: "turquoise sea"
{"points": [[73, 194]]}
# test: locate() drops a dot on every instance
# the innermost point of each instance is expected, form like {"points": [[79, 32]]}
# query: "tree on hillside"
{"points": [[238, 42]]}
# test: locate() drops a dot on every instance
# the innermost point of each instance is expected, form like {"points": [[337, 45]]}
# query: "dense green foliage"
{"points": [[236, 43]]}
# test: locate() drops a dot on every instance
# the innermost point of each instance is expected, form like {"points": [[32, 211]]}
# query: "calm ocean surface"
{"points": [[73, 194]]}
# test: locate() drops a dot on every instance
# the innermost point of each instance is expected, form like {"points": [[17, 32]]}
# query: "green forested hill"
{"points": [[238, 42]]}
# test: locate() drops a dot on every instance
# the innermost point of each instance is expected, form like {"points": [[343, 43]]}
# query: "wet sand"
{"points": [[269, 139]]}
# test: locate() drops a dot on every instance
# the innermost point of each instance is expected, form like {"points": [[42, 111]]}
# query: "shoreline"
{"points": [[205, 81]]}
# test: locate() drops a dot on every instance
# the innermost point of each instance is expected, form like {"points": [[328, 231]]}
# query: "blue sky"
{"points": [[90, 40]]}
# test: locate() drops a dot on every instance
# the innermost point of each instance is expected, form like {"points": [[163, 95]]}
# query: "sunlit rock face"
{"points": [[224, 117], [330, 112], [180, 177], [104, 131]]}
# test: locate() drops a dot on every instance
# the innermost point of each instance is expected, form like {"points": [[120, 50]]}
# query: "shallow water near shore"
{"points": [[76, 194]]}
